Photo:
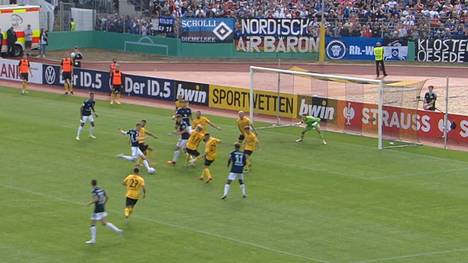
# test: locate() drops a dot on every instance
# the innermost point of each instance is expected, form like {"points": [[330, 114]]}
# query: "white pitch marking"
{"points": [[174, 226], [413, 255]]}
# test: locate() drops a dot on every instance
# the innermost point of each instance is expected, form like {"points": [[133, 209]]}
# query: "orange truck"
{"points": [[19, 17]]}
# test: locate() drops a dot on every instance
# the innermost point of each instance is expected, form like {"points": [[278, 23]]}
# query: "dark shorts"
{"points": [[66, 75], [130, 202], [208, 162], [241, 137], [28, 44], [116, 88], [24, 76], [193, 152], [247, 152], [143, 147]]}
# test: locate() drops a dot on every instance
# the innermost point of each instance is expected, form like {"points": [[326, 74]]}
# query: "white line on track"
{"points": [[442, 252], [247, 243]]}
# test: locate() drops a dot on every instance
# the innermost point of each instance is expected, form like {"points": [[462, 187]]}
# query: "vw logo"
{"points": [[49, 75], [336, 49]]}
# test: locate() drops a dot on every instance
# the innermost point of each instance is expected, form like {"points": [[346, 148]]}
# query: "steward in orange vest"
{"points": [[24, 68], [67, 70], [116, 77]]}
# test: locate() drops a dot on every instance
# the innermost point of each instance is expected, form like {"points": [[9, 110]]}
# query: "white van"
{"points": [[19, 17]]}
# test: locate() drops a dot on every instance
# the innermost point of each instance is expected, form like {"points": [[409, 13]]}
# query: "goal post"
{"points": [[370, 107]]}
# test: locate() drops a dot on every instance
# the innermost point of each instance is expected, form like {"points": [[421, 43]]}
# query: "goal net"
{"points": [[387, 110]]}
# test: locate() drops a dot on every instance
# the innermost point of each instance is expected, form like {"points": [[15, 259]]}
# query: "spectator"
{"points": [[11, 41], [44, 41], [380, 18], [28, 35]]}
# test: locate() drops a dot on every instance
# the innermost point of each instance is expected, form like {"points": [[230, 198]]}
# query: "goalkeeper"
{"points": [[310, 123]]}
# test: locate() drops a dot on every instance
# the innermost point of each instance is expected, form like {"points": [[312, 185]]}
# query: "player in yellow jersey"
{"points": [[210, 156], [145, 148], [135, 184], [203, 121], [243, 122], [250, 145], [192, 144]]}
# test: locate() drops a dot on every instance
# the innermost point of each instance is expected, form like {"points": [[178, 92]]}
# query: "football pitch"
{"points": [[345, 202]]}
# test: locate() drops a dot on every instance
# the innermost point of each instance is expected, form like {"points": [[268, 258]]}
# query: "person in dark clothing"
{"points": [[1, 42], [76, 56], [11, 41]]}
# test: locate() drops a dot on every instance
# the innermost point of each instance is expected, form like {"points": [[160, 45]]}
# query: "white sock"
{"points": [[226, 189], [91, 129], [242, 187], [128, 158], [80, 128], [176, 155], [145, 162], [93, 233], [113, 228]]}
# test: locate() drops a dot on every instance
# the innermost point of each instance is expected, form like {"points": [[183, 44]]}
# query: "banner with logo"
{"points": [[356, 48], [265, 102], [395, 49], [398, 123], [163, 24], [442, 50], [277, 35], [195, 93], [9, 71], [141, 86], [81, 79], [207, 30]]}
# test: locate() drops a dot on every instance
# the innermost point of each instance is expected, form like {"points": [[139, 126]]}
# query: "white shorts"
{"points": [[98, 216], [181, 143], [189, 129], [85, 119], [233, 176], [136, 152]]}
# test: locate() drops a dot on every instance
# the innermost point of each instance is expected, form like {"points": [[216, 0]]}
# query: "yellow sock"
{"points": [[249, 163], [118, 98], [203, 174], [130, 211], [208, 173], [126, 212], [112, 97]]}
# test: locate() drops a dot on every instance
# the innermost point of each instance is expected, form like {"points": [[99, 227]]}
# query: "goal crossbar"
{"points": [[380, 83]]}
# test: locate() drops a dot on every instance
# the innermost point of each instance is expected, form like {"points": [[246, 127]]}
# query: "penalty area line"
{"points": [[424, 254], [247, 243]]}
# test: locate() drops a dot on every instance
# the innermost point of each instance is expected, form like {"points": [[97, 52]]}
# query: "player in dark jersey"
{"points": [[237, 161], [133, 134], [430, 99], [184, 134], [186, 114], [87, 114], [99, 214]]}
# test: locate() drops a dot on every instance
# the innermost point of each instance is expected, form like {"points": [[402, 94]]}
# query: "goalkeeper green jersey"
{"points": [[311, 121]]}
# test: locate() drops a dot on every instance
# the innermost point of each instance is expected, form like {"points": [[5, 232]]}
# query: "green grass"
{"points": [[341, 202]]}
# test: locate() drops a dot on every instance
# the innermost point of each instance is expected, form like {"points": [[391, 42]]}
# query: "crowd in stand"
{"points": [[366, 18], [133, 25]]}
